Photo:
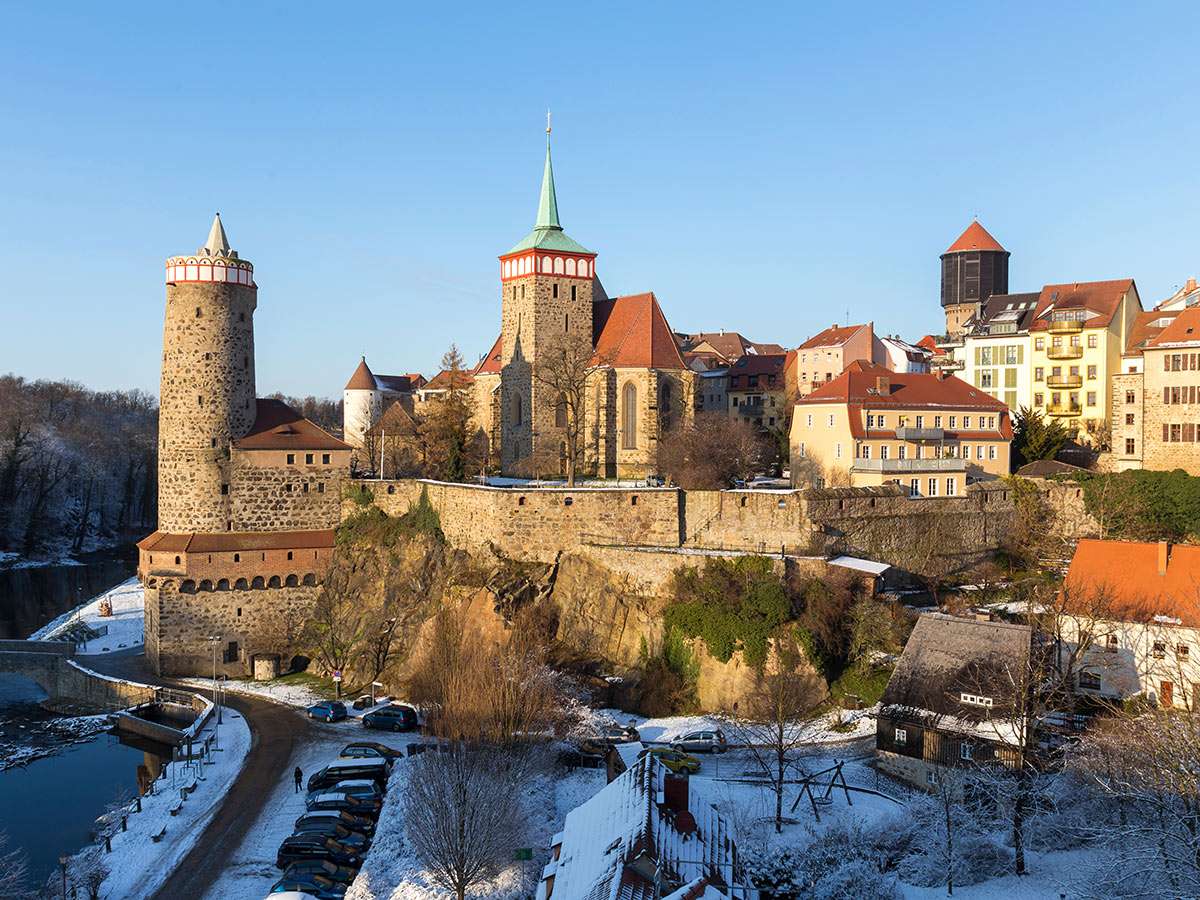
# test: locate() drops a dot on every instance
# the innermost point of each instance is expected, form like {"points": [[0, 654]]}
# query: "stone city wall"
{"points": [[270, 495]]}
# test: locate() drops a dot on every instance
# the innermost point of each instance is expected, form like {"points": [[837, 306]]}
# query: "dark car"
{"points": [[313, 885], [351, 821], [619, 734], [329, 710], [360, 749], [357, 806], [376, 769], [353, 840], [323, 867], [359, 789], [314, 846], [397, 718], [709, 741]]}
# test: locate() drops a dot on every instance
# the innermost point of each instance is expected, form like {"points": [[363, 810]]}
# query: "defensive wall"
{"points": [[49, 665], [879, 523]]}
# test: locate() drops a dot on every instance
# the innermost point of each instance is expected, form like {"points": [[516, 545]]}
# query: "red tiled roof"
{"points": [[395, 420], [930, 343], [632, 332], [766, 364], [834, 336], [1102, 297], [491, 364], [1185, 330], [763, 349], [362, 379], [416, 380], [1144, 330], [1124, 580], [279, 427], [195, 542], [727, 344], [441, 381], [975, 238]]}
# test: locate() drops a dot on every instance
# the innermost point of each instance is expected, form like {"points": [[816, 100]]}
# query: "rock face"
{"points": [[598, 614]]}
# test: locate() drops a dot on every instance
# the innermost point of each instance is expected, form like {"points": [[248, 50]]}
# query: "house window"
{"points": [[931, 777], [976, 700], [881, 420], [802, 454], [1159, 650], [1181, 652], [1038, 398], [837, 450], [966, 421], [1129, 446], [1091, 398], [831, 420], [1110, 643], [1039, 343], [954, 421], [808, 422], [937, 421], [1128, 418], [870, 421], [1089, 681], [966, 451], [951, 487], [932, 487], [920, 421], [883, 451], [1093, 341], [1129, 397], [901, 736], [308, 459], [914, 487], [866, 451], [901, 452], [991, 451], [291, 459], [966, 751], [1091, 372]]}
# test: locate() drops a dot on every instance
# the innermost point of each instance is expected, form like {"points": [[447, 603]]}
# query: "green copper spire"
{"points": [[547, 216]]}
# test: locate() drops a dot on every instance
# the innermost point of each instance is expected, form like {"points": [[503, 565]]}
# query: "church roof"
{"points": [[491, 364], [547, 233], [632, 332], [279, 427], [975, 238], [217, 243]]}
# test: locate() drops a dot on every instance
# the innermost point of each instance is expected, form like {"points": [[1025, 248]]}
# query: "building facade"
{"points": [[249, 490], [973, 268], [824, 356], [756, 390]]}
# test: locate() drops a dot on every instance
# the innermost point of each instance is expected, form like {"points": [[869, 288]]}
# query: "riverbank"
{"points": [[122, 629]]}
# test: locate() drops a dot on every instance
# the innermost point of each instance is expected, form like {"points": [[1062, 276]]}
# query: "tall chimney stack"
{"points": [[1164, 556]]}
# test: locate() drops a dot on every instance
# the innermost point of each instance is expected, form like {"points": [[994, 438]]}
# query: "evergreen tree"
{"points": [[1036, 438]]}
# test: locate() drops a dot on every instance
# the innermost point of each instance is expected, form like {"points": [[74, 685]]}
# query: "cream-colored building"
{"points": [[1079, 334], [997, 350], [933, 434]]}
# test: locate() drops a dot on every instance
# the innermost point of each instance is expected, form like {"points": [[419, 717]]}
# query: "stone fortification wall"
{"points": [[269, 495], [178, 625], [748, 521], [1069, 517]]}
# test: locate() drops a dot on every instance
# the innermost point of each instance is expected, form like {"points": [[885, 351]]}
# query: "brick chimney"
{"points": [[1164, 556], [1191, 285], [675, 792], [883, 385]]}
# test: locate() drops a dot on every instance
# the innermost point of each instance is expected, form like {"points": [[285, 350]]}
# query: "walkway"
{"points": [[274, 732]]}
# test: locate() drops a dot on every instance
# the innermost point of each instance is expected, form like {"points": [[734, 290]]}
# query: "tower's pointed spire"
{"points": [[547, 216], [217, 242]]}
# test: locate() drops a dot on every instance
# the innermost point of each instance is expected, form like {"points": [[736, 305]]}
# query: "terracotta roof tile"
{"points": [[362, 379], [1125, 577], [727, 344], [196, 542], [1102, 297], [279, 427], [491, 364], [441, 381], [766, 364], [632, 332], [975, 237], [832, 337], [1183, 331]]}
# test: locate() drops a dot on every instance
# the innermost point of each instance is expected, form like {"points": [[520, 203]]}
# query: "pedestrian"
{"points": [[299, 779]]}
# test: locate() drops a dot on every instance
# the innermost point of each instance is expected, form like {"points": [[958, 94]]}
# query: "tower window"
{"points": [[321, 488], [214, 442], [289, 554], [237, 557], [224, 489], [324, 459], [566, 321], [308, 459], [555, 292], [305, 490], [208, 356], [177, 560], [200, 400], [572, 292], [197, 312], [287, 488], [522, 292]]}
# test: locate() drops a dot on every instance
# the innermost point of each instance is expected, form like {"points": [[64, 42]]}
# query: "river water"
{"points": [[49, 806]]}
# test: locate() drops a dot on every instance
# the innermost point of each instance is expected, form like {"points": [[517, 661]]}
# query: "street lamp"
{"points": [[215, 640], [375, 684], [62, 861]]}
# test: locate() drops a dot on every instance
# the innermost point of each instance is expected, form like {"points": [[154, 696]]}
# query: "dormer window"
{"points": [[976, 700]]}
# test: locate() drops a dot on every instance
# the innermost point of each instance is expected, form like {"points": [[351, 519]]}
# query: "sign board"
{"points": [[337, 674], [523, 854]]}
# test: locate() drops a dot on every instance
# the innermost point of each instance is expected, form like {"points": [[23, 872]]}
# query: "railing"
{"points": [[905, 433], [1064, 381], [747, 410], [1069, 326], [909, 465], [949, 340], [947, 363], [1065, 409], [1072, 352]]}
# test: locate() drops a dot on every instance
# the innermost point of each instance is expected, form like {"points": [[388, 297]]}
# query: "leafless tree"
{"points": [[88, 871], [14, 870], [711, 451], [461, 816], [769, 722], [564, 365], [335, 629]]}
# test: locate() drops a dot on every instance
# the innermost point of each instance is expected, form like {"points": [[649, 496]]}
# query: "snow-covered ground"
{"points": [[287, 692], [11, 560], [126, 628], [138, 864], [820, 730]]}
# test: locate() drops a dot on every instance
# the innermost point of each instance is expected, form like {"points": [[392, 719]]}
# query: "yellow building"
{"points": [[933, 434], [1079, 332]]}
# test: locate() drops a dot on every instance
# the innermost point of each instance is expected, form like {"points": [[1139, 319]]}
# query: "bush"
{"points": [[730, 605], [669, 679], [373, 527], [841, 863], [1142, 504]]}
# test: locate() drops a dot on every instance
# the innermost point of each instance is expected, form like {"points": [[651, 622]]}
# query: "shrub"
{"points": [[842, 862], [374, 527], [669, 679]]}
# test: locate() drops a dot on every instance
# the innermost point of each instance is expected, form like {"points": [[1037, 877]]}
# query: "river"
{"points": [[49, 806]]}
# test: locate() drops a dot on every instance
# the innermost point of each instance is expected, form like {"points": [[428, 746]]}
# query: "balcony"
{"points": [[1073, 352], [905, 433], [1064, 381], [1065, 409], [1071, 326], [909, 465], [748, 409], [948, 364]]}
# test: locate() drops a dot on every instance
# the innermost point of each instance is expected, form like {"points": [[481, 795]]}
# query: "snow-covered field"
{"points": [[125, 625], [138, 864], [820, 730]]}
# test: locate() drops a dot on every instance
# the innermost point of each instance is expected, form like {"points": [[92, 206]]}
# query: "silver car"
{"points": [[710, 741]]}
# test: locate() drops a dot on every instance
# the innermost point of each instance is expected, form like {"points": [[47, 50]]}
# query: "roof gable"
{"points": [[491, 364], [632, 332], [834, 336], [279, 427], [1100, 297], [975, 237]]}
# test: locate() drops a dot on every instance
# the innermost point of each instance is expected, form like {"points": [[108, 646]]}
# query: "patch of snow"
{"points": [[126, 625]]}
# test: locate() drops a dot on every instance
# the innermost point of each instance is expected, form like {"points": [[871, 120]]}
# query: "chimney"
{"points": [[1164, 555], [943, 373], [1191, 285], [883, 385], [675, 792]]}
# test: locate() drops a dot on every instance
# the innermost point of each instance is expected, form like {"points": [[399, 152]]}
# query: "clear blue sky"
{"points": [[763, 169]]}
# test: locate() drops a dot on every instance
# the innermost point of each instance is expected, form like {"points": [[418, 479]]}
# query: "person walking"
{"points": [[299, 779]]}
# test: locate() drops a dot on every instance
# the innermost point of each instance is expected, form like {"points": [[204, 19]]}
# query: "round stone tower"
{"points": [[207, 397]]}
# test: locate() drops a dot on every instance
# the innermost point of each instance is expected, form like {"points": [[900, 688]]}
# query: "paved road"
{"points": [[274, 732]]}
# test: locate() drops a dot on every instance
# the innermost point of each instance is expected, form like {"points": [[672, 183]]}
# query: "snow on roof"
{"points": [[630, 752], [860, 565], [615, 845]]}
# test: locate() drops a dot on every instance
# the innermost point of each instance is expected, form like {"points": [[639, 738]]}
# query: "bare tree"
{"points": [[769, 725], [14, 870], [460, 813], [711, 451], [565, 363], [335, 630]]}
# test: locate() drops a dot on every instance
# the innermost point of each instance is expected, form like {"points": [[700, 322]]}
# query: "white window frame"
{"points": [[831, 420], [901, 736], [951, 487], [802, 450], [966, 752], [810, 420], [866, 451], [991, 451], [933, 487]]}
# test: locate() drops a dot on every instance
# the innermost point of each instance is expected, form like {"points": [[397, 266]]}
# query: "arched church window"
{"points": [[629, 416], [570, 267], [664, 405]]}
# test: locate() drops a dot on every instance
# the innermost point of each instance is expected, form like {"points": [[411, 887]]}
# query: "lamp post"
{"points": [[215, 640], [62, 861], [375, 684]]}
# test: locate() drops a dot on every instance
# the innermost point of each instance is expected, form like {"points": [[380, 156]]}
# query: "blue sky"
{"points": [[766, 169]]}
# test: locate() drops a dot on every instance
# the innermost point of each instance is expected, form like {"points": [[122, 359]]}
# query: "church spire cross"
{"points": [[547, 216], [547, 120]]}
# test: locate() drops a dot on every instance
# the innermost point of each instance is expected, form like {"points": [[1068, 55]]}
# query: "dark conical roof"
{"points": [[362, 379]]}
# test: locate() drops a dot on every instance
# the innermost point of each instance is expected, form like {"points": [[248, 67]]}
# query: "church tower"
{"points": [[207, 396], [547, 284]]}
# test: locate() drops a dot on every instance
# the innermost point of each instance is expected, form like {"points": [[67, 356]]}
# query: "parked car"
{"points": [[329, 710], [313, 885], [354, 840], [619, 734], [363, 702], [711, 741], [396, 718], [655, 481], [676, 760], [357, 806], [332, 871], [360, 749], [376, 769], [359, 788], [351, 821], [314, 846]]}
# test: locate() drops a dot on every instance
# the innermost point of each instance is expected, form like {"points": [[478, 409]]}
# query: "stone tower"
{"points": [[973, 268], [547, 286], [207, 397]]}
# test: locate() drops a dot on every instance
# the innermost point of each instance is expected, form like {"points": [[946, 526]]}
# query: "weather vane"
{"points": [[547, 120]]}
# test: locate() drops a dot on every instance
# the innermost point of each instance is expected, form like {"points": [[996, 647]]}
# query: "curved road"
{"points": [[274, 731]]}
